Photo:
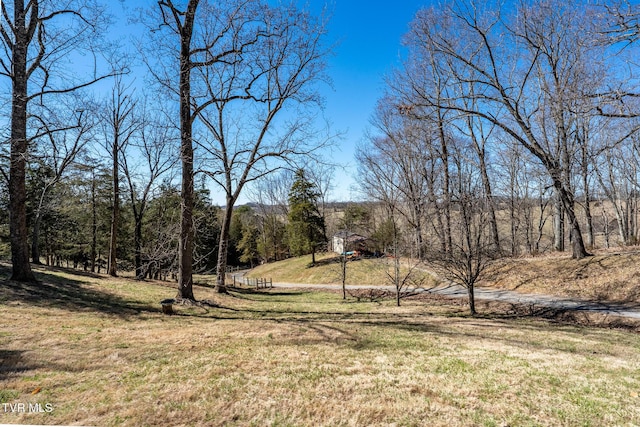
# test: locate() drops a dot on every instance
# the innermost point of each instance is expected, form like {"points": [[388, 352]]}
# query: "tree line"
{"points": [[74, 222]]}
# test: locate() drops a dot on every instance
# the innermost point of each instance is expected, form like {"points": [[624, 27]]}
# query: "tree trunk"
{"points": [[587, 195], [21, 269], [137, 243], [438, 227], [396, 274], [622, 222], [472, 300], [587, 211], [578, 248], [528, 224], [223, 247], [512, 222], [112, 268], [94, 224], [558, 224], [446, 185], [605, 225], [35, 239], [542, 204], [185, 252], [493, 222]]}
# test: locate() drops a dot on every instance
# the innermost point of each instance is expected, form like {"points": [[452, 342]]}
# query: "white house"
{"points": [[345, 241]]}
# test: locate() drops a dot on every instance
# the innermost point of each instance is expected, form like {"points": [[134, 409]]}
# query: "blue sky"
{"points": [[369, 35]]}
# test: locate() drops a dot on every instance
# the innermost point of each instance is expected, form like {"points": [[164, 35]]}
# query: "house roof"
{"points": [[349, 236]]}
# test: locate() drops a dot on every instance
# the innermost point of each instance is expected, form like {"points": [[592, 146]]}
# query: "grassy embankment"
{"points": [[99, 351], [328, 270], [609, 275]]}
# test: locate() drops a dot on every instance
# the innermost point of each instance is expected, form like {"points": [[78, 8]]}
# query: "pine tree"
{"points": [[306, 229]]}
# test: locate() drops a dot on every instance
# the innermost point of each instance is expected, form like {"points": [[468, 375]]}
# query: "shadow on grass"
{"points": [[16, 362], [248, 293], [353, 329], [13, 362], [591, 314], [52, 291], [330, 327], [73, 271]]}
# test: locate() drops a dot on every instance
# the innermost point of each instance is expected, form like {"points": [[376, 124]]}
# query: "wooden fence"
{"points": [[258, 283]]}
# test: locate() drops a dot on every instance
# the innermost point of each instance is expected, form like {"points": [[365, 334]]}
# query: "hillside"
{"points": [[328, 271], [608, 275]]}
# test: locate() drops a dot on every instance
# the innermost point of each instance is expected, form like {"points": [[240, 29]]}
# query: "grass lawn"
{"points": [[99, 352], [328, 270]]}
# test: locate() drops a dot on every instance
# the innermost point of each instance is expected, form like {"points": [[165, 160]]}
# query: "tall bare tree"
{"points": [[247, 98], [473, 248], [146, 158], [37, 37], [526, 71], [181, 22], [119, 123], [242, 62], [65, 132], [409, 144]]}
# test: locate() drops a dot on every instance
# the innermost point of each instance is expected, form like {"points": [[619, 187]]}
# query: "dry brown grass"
{"points": [[609, 275], [102, 354], [372, 272]]}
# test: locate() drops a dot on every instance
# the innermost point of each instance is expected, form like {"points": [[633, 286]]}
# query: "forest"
{"points": [[506, 130]]}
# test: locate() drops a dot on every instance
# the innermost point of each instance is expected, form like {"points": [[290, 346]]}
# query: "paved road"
{"points": [[456, 291]]}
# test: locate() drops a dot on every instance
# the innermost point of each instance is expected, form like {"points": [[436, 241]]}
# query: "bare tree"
{"points": [[119, 123], [151, 148], [410, 145], [422, 75], [473, 249], [613, 173], [65, 132], [583, 134], [242, 62], [246, 139], [270, 194], [181, 22], [36, 42], [383, 179]]}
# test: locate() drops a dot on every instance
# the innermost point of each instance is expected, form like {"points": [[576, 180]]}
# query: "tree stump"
{"points": [[167, 305]]}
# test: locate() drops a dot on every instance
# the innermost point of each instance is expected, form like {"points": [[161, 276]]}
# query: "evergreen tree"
{"points": [[306, 229], [248, 245]]}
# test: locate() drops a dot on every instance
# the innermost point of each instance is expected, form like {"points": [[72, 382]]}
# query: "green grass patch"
{"points": [[7, 396]]}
